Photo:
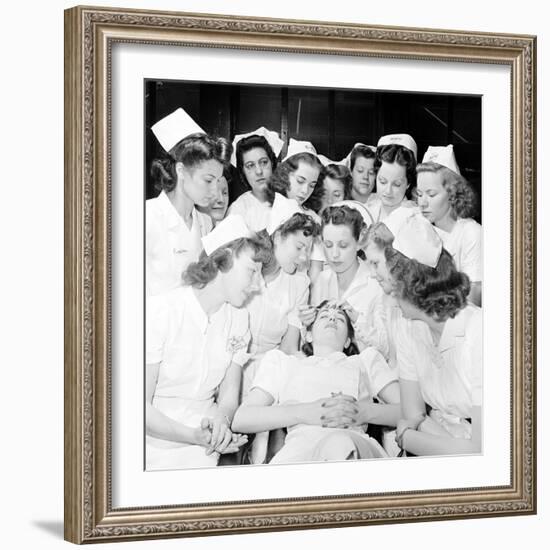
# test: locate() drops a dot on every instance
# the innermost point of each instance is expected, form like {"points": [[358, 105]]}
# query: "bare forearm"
{"points": [[423, 444], [378, 413], [161, 426], [254, 419]]}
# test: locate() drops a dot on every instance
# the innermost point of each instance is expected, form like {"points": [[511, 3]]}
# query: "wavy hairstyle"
{"points": [[405, 157], [190, 151], [462, 197], [339, 173], [352, 349], [279, 182], [360, 151], [247, 144], [440, 292], [199, 274], [344, 215]]}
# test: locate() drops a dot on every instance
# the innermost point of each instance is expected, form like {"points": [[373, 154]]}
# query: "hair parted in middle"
{"points": [[344, 215], [394, 152]]}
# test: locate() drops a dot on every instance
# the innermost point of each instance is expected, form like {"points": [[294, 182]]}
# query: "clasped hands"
{"points": [[215, 434], [337, 411]]}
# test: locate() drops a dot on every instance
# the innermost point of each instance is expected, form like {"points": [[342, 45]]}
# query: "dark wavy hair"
{"points": [[440, 292], [279, 182], [199, 274], [339, 173], [299, 222], [247, 144], [360, 151], [352, 349], [190, 151], [344, 215], [462, 197], [405, 157]]}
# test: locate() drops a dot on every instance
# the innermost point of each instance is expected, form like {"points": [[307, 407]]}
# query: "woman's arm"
{"points": [[422, 444], [258, 414], [386, 413], [161, 426], [291, 340]]}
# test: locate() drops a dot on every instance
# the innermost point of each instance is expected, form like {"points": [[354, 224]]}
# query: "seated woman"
{"points": [[325, 400], [196, 342], [449, 202], [439, 349]]}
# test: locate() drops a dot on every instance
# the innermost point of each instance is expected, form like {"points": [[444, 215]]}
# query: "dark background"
{"points": [[332, 119]]}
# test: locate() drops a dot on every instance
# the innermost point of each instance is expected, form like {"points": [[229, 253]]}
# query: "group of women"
{"points": [[330, 298]]}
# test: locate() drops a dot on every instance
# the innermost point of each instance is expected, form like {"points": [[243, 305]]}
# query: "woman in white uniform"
{"points": [[450, 203], [347, 278], [197, 338], [186, 176], [256, 159], [395, 167], [361, 165], [317, 397]]}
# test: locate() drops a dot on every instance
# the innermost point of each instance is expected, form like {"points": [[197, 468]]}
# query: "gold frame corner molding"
{"points": [[89, 36]]}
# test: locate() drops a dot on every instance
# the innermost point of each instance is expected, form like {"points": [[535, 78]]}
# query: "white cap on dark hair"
{"points": [[414, 236], [295, 147], [282, 210], [325, 161], [400, 139], [173, 128], [275, 142], [347, 160], [445, 156], [230, 228]]}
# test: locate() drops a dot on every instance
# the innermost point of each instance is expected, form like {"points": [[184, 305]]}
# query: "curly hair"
{"points": [[279, 182], [339, 173], [401, 155], [190, 151], [247, 144], [352, 349], [360, 151], [199, 274], [440, 292], [344, 215], [462, 197], [379, 235]]}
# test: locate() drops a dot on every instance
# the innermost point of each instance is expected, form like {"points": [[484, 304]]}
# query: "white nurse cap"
{"points": [[275, 142], [295, 147], [400, 139], [173, 128], [360, 207], [445, 156], [282, 210], [414, 236], [325, 161], [347, 160], [230, 228]]}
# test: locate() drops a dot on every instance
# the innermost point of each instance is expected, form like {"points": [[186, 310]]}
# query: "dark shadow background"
{"points": [[332, 119]]}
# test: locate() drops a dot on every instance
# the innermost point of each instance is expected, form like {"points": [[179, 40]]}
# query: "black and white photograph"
{"points": [[313, 274]]}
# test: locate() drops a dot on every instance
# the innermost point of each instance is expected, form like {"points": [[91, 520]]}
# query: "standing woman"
{"points": [[217, 209], [449, 202], [197, 337], [256, 159], [347, 279], [186, 176], [361, 165], [395, 167], [336, 181]]}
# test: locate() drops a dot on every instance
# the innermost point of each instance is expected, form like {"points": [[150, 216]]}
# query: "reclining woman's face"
{"points": [[331, 327]]}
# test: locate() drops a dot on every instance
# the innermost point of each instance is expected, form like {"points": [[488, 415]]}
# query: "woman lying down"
{"points": [[325, 397]]}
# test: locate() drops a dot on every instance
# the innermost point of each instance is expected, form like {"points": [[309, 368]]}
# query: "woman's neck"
{"points": [[258, 195], [446, 223], [387, 210], [436, 328], [271, 270], [323, 350], [346, 277], [182, 203], [359, 197], [210, 297]]}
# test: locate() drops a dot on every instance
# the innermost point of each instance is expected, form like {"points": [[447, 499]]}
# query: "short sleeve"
{"points": [[301, 280], [404, 351], [156, 327], [270, 374], [471, 251], [475, 357], [376, 371], [239, 337]]}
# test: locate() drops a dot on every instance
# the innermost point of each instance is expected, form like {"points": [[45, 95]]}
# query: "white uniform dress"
{"points": [[365, 295], [377, 213], [299, 379], [464, 242], [170, 246], [271, 312], [254, 212], [194, 353], [449, 374]]}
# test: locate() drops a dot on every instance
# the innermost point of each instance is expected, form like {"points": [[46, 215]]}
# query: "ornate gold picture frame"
{"points": [[90, 35]]}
